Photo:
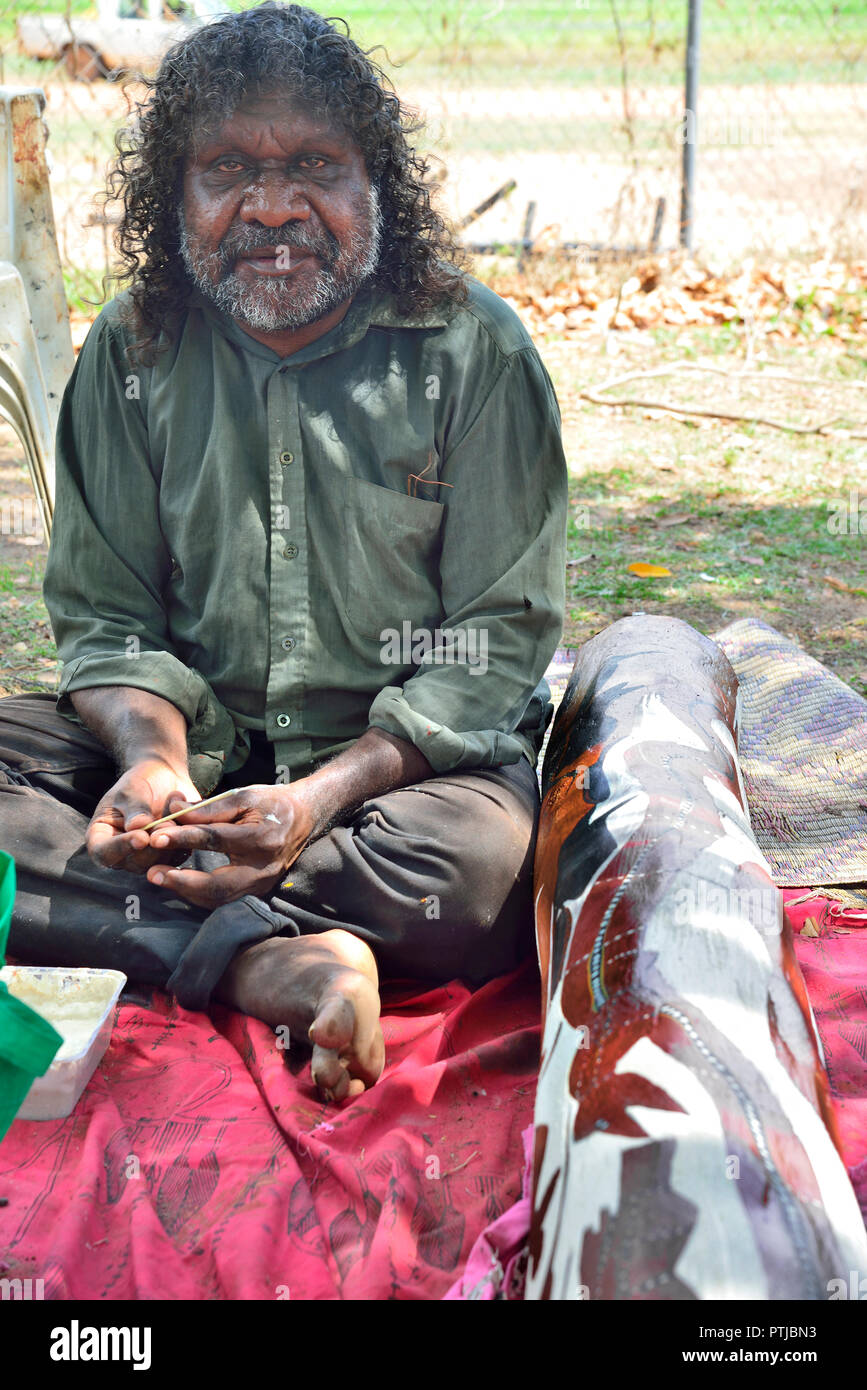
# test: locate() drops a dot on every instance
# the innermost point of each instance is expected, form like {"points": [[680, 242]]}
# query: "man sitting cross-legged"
{"points": [[308, 543]]}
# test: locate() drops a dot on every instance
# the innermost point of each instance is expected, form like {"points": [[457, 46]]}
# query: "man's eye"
{"points": [[311, 161], [229, 166]]}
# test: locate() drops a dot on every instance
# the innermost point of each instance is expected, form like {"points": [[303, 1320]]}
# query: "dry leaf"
{"points": [[676, 520], [647, 571], [810, 928], [823, 298], [843, 588], [753, 559]]}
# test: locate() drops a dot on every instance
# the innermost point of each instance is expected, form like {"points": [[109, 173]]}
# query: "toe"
{"points": [[348, 1048], [329, 1073], [334, 1024], [331, 1034], [368, 1057]]}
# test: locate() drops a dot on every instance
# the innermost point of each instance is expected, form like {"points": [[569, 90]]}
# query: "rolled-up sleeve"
{"points": [[108, 564], [502, 577]]}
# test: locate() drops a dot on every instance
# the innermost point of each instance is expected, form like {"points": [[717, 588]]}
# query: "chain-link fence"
{"points": [[577, 103]]}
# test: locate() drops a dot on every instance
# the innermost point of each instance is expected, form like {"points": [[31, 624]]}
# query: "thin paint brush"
{"points": [[193, 806]]}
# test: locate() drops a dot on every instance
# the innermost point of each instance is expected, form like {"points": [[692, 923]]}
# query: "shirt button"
{"points": [[288, 643], [289, 552], [284, 720], [286, 457]]}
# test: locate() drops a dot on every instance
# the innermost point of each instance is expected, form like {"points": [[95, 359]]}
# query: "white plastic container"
{"points": [[80, 1004]]}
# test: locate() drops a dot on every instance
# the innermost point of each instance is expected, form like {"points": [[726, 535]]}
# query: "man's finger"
{"points": [[105, 839], [174, 803], [116, 849], [142, 814], [99, 834], [221, 885], [223, 838]]}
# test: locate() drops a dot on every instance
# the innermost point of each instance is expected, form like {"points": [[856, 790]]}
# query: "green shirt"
{"points": [[265, 542]]}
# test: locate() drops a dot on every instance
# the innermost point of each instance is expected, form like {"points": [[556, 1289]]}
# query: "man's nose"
{"points": [[274, 199]]}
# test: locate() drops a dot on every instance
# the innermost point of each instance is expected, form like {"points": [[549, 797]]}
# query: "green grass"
{"points": [[28, 660], [484, 42], [84, 290]]}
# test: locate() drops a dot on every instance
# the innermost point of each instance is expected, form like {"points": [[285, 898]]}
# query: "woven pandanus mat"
{"points": [[803, 753]]}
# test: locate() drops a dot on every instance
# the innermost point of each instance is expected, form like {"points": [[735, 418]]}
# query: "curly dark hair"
{"points": [[200, 82]]}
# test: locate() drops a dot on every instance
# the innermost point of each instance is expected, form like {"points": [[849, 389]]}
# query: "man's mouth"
{"points": [[274, 260]]}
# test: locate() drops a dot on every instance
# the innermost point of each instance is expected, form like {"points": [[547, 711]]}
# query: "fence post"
{"points": [[690, 122]]}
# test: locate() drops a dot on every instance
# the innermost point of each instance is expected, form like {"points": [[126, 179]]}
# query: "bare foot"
{"points": [[323, 988]]}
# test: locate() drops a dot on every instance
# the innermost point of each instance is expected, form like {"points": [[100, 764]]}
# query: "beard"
{"points": [[271, 304]]}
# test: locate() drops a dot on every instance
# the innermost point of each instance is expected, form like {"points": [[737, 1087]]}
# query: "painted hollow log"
{"points": [[684, 1138]]}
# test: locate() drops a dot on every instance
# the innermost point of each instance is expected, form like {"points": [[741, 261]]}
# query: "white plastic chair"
{"points": [[36, 355]]}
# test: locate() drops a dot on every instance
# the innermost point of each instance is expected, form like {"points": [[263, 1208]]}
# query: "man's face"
{"points": [[279, 222]]}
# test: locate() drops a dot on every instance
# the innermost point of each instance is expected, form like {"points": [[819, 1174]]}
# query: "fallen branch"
{"points": [[731, 375], [746, 372], [720, 415], [783, 376]]}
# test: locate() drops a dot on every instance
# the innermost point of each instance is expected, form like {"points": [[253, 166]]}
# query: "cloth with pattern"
{"points": [[200, 1163]]}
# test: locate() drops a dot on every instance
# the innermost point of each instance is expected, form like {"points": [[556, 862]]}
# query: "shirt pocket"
{"points": [[391, 558]]}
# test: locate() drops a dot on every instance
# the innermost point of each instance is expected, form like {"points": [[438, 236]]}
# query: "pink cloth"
{"points": [[496, 1267], [834, 965], [198, 1166]]}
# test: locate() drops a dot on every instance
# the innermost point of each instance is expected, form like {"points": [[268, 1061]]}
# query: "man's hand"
{"points": [[262, 829], [150, 788]]}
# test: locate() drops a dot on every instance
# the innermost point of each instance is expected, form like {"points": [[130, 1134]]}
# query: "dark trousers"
{"points": [[436, 877]]}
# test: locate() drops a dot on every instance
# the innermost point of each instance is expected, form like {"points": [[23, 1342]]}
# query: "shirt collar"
{"points": [[384, 314], [371, 307]]}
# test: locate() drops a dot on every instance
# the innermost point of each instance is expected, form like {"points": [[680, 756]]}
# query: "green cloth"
{"points": [[27, 1042], [238, 532]]}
